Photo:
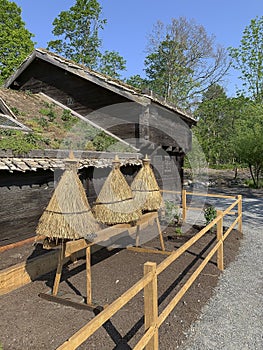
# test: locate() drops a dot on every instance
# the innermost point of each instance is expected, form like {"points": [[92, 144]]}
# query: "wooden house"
{"points": [[139, 121], [28, 176], [153, 126]]}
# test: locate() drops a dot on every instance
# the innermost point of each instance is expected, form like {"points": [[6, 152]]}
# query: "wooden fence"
{"points": [[153, 320]]}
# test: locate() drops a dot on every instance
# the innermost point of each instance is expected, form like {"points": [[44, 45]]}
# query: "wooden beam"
{"points": [[23, 273], [88, 272], [220, 252], [151, 305], [59, 268]]}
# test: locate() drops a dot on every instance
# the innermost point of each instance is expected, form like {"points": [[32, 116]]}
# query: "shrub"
{"points": [[172, 213], [210, 214]]}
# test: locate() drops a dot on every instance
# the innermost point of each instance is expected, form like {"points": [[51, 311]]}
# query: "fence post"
{"points": [[151, 305], [240, 212], [220, 251], [184, 205], [88, 278]]}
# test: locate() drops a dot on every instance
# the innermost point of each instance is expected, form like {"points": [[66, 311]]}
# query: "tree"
{"points": [[217, 117], [137, 81], [248, 141], [78, 32], [78, 38], [15, 39], [248, 58], [183, 61], [111, 63]]}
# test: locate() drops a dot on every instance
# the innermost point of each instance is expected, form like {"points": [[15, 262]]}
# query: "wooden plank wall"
{"points": [[23, 198]]}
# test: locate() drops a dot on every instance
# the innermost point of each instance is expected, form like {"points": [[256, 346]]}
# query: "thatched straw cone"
{"points": [[68, 214], [146, 189], [115, 203]]}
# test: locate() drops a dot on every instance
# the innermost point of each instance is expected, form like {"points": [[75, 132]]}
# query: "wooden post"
{"points": [[88, 271], [59, 268], [151, 305], [240, 213], [184, 205], [220, 252], [137, 238], [160, 234]]}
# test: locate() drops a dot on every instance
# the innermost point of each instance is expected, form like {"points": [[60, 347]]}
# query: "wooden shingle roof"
{"points": [[56, 159]]}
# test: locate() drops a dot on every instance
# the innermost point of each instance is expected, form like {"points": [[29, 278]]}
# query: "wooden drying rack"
{"points": [[72, 247]]}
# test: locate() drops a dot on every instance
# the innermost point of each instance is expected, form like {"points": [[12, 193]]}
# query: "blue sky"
{"points": [[129, 23]]}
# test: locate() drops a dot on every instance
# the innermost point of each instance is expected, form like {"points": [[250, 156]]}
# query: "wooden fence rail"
{"points": [[152, 321]]}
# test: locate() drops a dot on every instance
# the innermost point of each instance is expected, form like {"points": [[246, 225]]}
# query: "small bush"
{"points": [[172, 213], [66, 115], [210, 214]]}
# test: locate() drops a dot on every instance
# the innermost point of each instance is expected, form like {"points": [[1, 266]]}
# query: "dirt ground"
{"points": [[30, 322]]}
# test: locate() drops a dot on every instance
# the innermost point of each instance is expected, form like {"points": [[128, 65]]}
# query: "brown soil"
{"points": [[30, 322]]}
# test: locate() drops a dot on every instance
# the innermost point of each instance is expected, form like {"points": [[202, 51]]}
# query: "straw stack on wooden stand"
{"points": [[68, 215], [146, 189], [115, 203]]}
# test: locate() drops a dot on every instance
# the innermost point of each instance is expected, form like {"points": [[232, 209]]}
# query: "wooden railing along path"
{"points": [[152, 319]]}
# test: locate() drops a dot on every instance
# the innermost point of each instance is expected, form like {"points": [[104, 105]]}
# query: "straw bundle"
{"points": [[146, 189], [68, 214], [115, 203]]}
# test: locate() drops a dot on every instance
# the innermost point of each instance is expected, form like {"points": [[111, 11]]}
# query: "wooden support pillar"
{"points": [[88, 270], [160, 234], [61, 258], [137, 237], [184, 205], [151, 305], [239, 197], [220, 252]]}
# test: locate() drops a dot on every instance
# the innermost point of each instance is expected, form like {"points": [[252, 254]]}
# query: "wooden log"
{"points": [[240, 213], [63, 301], [219, 236], [61, 259], [88, 272], [198, 194], [23, 273], [17, 244], [151, 305], [184, 205], [160, 234]]}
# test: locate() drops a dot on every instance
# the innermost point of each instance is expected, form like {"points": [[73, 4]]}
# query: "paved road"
{"points": [[233, 318]]}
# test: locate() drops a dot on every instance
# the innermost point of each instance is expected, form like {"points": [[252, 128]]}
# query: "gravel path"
{"points": [[233, 318]]}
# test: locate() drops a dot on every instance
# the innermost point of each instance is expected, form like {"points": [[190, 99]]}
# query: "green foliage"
{"points": [[15, 110], [66, 115], [17, 141], [251, 184], [78, 32], [49, 112], [111, 63], [248, 141], [183, 61], [217, 117], [178, 230], [102, 141], [42, 121], [172, 213], [248, 58], [209, 214], [137, 81], [78, 38], [15, 39]]}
